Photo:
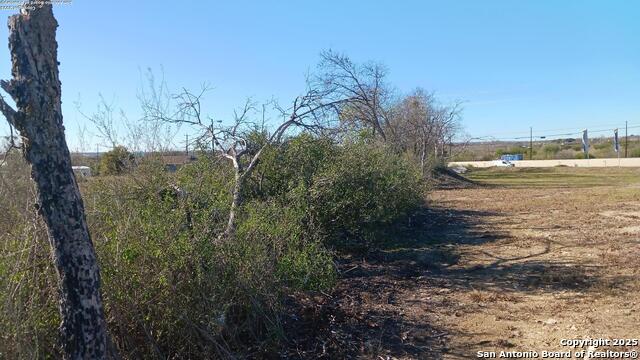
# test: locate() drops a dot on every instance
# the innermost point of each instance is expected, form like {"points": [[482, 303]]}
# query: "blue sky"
{"points": [[547, 64]]}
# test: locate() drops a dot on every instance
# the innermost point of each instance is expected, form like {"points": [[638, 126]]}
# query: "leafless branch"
{"points": [[9, 113], [365, 87], [103, 119]]}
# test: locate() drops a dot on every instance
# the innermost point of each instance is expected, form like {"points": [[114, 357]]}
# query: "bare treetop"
{"points": [[365, 87]]}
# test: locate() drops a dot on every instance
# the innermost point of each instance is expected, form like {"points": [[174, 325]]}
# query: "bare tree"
{"points": [[155, 135], [423, 127], [115, 128], [103, 120], [36, 89], [82, 139], [308, 111], [365, 87], [448, 126]]}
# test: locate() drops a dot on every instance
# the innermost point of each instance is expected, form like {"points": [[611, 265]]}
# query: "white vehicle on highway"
{"points": [[504, 163]]}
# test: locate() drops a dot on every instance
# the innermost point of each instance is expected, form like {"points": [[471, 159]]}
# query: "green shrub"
{"points": [[208, 181], [550, 150], [361, 192], [300, 260], [165, 273], [115, 161], [169, 285], [566, 154], [351, 193], [582, 155], [284, 168], [604, 145], [156, 264]]}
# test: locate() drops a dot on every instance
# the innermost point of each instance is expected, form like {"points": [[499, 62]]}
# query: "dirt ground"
{"points": [[492, 268]]}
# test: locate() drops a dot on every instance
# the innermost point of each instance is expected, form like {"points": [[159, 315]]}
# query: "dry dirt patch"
{"points": [[569, 261], [494, 269]]}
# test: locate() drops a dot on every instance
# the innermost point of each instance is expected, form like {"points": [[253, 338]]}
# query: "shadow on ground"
{"points": [[365, 317]]}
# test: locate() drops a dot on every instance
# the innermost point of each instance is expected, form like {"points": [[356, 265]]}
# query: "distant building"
{"points": [[82, 171], [174, 162]]}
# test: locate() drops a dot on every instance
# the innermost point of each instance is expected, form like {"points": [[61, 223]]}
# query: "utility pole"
{"points": [[186, 144], [626, 137], [531, 143]]}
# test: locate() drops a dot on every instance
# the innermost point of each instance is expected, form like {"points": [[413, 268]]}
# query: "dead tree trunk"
{"points": [[35, 87], [236, 201]]}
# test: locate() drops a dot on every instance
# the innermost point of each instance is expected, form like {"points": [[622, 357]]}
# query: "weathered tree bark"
{"points": [[236, 202], [36, 89]]}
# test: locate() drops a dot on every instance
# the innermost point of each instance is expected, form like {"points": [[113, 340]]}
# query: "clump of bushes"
{"points": [[351, 193], [582, 155], [361, 193], [115, 161], [603, 145], [171, 287], [550, 150], [166, 273], [566, 154]]}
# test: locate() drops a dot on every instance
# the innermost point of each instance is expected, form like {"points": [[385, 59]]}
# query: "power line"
{"points": [[550, 130], [544, 133]]}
